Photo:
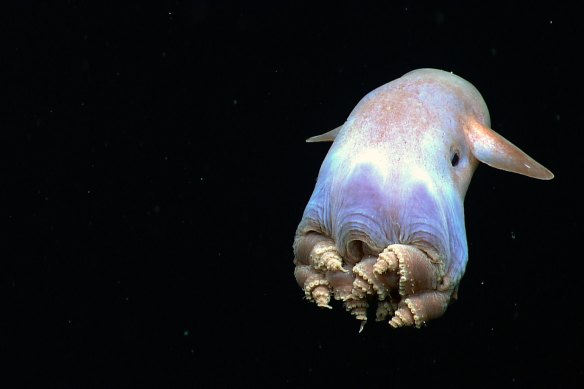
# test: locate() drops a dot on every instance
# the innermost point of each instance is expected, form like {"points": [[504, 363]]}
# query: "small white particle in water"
{"points": [[482, 282], [512, 235], [234, 102], [88, 192]]}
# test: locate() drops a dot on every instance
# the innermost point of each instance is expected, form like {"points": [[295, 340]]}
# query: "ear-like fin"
{"points": [[326, 137], [494, 150]]}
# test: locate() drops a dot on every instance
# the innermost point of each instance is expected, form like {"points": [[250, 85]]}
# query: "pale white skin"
{"points": [[386, 217]]}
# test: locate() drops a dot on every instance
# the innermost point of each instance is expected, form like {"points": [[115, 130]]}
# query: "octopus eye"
{"points": [[455, 158]]}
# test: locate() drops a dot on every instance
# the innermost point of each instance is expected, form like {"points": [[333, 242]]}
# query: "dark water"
{"points": [[155, 171]]}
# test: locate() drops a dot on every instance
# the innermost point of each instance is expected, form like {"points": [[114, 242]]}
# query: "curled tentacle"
{"points": [[403, 317], [316, 287], [357, 307], [321, 295], [387, 261], [366, 281], [317, 250], [324, 256], [361, 288], [418, 309]]}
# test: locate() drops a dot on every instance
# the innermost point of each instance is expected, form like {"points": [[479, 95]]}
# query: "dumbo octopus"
{"points": [[385, 222]]}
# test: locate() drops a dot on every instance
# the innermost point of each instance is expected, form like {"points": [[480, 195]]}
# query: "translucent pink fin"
{"points": [[326, 137], [494, 150]]}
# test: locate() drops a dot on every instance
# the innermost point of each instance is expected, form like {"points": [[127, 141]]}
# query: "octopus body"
{"points": [[384, 226]]}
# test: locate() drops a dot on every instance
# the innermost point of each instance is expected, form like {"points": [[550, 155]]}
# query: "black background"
{"points": [[155, 171]]}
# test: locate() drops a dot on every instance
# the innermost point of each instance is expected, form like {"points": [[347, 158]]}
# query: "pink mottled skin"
{"points": [[388, 203]]}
